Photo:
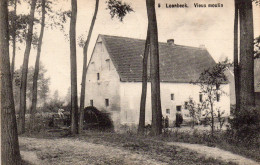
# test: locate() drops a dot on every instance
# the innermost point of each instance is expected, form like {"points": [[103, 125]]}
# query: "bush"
{"points": [[245, 126]]}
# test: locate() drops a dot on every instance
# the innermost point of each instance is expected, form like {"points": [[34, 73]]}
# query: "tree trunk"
{"points": [[14, 40], [236, 65], [154, 70], [84, 70], [144, 84], [10, 154], [21, 121], [37, 67], [73, 69], [212, 118], [247, 97]]}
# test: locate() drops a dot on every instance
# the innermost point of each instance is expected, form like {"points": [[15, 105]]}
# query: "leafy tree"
{"points": [[210, 82], [18, 29], [10, 153], [154, 70], [43, 85], [21, 119], [194, 110], [118, 8]]}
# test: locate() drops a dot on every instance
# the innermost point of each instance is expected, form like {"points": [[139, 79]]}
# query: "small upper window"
{"points": [[98, 76], [107, 102], [168, 111], [172, 96], [91, 103]]}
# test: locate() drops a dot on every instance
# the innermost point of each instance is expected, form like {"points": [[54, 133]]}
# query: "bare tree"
{"points": [[73, 69], [247, 97], [21, 120], [37, 67], [144, 84], [154, 70], [117, 8], [13, 20], [84, 72], [10, 154], [236, 64]]}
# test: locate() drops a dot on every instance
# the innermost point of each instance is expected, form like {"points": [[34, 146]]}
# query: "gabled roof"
{"points": [[178, 63]]}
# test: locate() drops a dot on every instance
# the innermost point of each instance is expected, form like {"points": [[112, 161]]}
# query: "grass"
{"points": [[147, 145], [220, 139], [154, 147]]}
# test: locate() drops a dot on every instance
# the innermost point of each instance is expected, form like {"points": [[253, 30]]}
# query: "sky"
{"points": [[212, 27]]}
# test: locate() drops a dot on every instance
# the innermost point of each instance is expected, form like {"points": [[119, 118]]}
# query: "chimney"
{"points": [[170, 42], [202, 46]]}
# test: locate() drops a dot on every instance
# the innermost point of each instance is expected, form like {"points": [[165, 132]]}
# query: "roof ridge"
{"points": [[164, 43]]}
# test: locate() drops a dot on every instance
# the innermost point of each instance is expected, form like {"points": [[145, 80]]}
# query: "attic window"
{"points": [[108, 64], [99, 47]]}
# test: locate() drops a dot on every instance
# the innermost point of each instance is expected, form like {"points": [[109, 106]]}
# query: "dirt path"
{"points": [[216, 153], [69, 151]]}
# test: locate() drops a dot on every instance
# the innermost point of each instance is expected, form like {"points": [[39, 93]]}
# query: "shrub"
{"points": [[245, 126]]}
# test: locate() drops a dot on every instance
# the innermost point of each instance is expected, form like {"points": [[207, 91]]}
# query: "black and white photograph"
{"points": [[130, 82]]}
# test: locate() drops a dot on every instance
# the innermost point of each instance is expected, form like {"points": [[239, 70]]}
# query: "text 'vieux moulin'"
{"points": [[196, 5]]}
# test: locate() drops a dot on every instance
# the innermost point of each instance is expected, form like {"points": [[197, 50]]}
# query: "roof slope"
{"points": [[177, 63]]}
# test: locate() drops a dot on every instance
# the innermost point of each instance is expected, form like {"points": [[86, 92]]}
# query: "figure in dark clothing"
{"points": [[179, 119], [163, 122]]}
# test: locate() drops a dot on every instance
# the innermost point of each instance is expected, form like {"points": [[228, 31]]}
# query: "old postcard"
{"points": [[94, 68]]}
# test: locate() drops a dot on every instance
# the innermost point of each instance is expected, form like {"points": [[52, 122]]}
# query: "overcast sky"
{"points": [[212, 27]]}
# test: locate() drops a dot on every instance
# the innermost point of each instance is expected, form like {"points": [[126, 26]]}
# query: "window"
{"points": [[186, 104], [178, 107], [201, 97], [172, 96], [98, 76], [99, 47], [168, 111], [107, 102], [91, 103], [93, 65], [108, 64], [218, 97]]}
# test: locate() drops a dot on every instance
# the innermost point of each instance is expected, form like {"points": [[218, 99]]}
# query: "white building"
{"points": [[114, 78]]}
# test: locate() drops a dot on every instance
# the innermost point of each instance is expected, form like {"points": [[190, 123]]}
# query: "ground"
{"points": [[112, 148]]}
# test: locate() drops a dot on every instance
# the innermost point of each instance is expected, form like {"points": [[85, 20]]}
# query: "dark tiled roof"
{"points": [[177, 63]]}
